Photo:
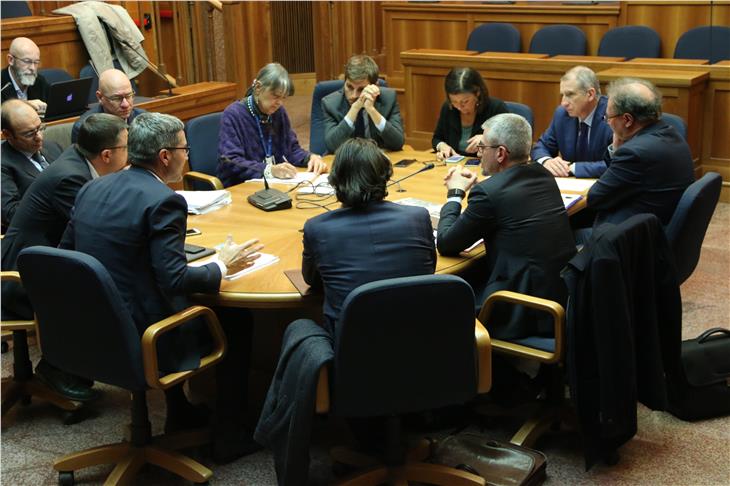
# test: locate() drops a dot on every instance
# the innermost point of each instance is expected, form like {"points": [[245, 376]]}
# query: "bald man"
{"points": [[21, 79], [23, 155], [115, 96]]}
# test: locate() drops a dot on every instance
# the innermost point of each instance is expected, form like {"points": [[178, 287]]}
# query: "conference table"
{"points": [[281, 232]]}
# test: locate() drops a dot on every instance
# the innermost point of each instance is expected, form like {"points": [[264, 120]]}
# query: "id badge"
{"points": [[269, 160]]}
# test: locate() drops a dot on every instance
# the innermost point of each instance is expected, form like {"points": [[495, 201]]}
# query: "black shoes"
{"points": [[65, 384]]}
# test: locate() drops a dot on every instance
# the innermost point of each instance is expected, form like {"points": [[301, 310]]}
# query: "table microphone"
{"points": [[426, 167], [5, 87], [267, 199]]}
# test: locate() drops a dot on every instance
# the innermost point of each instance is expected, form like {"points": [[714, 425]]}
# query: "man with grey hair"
{"points": [[21, 79], [576, 140], [649, 162], [362, 108], [519, 213], [134, 224]]}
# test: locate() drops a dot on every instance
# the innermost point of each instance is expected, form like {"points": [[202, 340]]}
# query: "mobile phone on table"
{"points": [[193, 232], [404, 162], [471, 162], [454, 159]]}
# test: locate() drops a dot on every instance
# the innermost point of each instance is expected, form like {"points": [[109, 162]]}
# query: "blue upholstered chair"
{"points": [[686, 230], [709, 42], [86, 329], [677, 122], [55, 75], [202, 135], [405, 345], [11, 10], [630, 41], [497, 37], [559, 39], [522, 110]]}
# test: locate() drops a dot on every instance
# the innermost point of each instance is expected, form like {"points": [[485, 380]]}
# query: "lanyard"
{"points": [[266, 145]]}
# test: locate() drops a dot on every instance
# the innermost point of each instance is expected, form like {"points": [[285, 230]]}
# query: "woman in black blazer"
{"points": [[466, 108]]}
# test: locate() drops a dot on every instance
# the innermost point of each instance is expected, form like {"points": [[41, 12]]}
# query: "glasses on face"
{"points": [[28, 62], [32, 133], [185, 148], [117, 99], [607, 117], [116, 147], [481, 147]]}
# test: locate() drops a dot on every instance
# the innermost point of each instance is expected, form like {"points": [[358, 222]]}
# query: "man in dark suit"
{"points": [[649, 163], [362, 108], [21, 79], [576, 140], [520, 215], [43, 213], [116, 97], [134, 224], [368, 238], [24, 155]]}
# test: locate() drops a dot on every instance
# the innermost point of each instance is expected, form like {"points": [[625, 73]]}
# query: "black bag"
{"points": [[705, 393], [499, 463]]}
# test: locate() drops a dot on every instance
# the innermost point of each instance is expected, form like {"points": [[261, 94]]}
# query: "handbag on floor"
{"points": [[705, 392], [499, 463]]}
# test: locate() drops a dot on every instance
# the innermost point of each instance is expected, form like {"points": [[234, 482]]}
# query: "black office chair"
{"points": [[710, 42], [686, 230], [85, 328], [496, 37], [559, 39], [630, 41], [15, 9], [405, 345], [202, 135], [521, 109], [55, 75], [677, 122]]}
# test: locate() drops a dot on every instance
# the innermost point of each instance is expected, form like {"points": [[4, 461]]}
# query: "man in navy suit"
{"points": [[368, 238], [649, 162], [576, 140], [134, 224]]}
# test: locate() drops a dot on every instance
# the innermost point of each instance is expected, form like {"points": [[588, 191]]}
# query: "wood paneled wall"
{"points": [[292, 32]]}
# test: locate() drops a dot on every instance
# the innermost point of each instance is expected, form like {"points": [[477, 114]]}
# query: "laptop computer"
{"points": [[67, 98]]}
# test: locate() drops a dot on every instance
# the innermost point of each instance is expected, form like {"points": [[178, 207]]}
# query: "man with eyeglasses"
{"points": [[576, 140], [116, 97], [45, 210], [21, 79], [24, 154], [519, 213]]}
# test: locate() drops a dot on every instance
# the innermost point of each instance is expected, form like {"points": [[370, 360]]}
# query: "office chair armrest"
{"points": [[323, 391], [153, 333], [10, 276], [484, 356], [192, 175], [551, 307]]}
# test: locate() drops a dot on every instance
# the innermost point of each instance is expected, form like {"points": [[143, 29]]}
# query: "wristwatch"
{"points": [[456, 192]]}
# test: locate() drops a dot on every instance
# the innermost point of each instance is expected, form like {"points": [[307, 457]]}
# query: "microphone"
{"points": [[426, 167], [266, 199], [171, 83], [5, 87]]}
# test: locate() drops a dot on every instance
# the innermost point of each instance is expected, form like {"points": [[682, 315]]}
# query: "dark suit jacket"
{"points": [[336, 129], [135, 226], [347, 247], [448, 127], [98, 109], [41, 218], [562, 135], [521, 216], [647, 174], [18, 173], [38, 91]]}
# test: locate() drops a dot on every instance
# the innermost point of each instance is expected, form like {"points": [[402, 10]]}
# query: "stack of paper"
{"points": [[201, 202], [298, 178]]}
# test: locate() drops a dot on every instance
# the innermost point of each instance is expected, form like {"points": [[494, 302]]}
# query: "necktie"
{"points": [[38, 157], [581, 146], [360, 124]]}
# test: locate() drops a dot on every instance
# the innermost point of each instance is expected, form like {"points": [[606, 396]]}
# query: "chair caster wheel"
{"points": [[4, 348], [65, 478], [74, 417]]}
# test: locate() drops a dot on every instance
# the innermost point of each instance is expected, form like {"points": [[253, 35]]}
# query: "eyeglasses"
{"points": [[117, 99], [28, 62], [32, 133], [481, 147], [186, 149], [607, 117], [116, 147]]}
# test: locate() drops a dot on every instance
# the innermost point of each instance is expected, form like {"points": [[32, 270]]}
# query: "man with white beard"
{"points": [[21, 79]]}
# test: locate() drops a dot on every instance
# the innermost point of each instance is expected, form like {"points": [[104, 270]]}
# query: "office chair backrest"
{"points": [[84, 326], [630, 41], [11, 10], [686, 230], [55, 75], [496, 37], [709, 42], [403, 345], [202, 135], [559, 39], [677, 122], [520, 109]]}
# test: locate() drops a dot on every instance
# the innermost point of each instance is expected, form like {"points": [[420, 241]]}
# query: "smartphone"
{"points": [[454, 159], [193, 232], [404, 162], [472, 162]]}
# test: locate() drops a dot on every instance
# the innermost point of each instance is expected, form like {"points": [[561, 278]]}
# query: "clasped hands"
{"points": [[238, 257], [460, 178]]}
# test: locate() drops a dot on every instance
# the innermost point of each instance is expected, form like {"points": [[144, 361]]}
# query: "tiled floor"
{"points": [[665, 451]]}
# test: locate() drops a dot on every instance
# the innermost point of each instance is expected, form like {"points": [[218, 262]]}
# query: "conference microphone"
{"points": [[152, 67], [5, 87], [426, 167], [267, 199]]}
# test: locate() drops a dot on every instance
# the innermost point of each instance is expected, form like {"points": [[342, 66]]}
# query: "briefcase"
{"points": [[499, 463], [704, 391]]}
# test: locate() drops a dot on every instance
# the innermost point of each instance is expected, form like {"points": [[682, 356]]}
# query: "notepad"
{"points": [[262, 261], [202, 202], [570, 199]]}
